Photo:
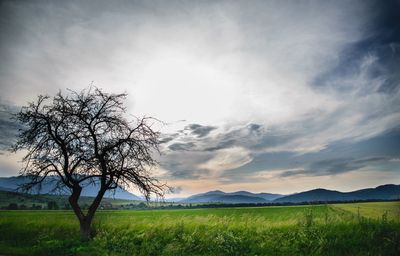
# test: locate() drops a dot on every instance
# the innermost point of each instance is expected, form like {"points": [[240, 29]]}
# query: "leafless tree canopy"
{"points": [[84, 137]]}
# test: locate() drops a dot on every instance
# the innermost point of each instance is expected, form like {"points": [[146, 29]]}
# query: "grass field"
{"points": [[341, 229]]}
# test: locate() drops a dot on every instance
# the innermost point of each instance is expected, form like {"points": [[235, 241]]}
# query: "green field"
{"points": [[342, 229]]}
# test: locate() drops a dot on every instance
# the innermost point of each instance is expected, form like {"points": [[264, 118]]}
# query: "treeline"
{"points": [[225, 205], [51, 205]]}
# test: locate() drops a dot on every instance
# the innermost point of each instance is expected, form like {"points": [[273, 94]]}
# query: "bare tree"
{"points": [[84, 138]]}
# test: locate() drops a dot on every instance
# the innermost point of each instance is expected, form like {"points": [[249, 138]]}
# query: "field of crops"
{"points": [[343, 229]]}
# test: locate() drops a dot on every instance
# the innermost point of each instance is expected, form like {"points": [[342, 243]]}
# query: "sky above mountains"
{"points": [[272, 96]]}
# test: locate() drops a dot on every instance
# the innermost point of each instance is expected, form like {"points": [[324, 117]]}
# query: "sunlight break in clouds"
{"points": [[226, 159]]}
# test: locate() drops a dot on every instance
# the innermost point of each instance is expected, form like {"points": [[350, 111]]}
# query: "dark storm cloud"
{"points": [[226, 142], [178, 173], [369, 71], [9, 128], [165, 138], [187, 152], [176, 190], [388, 25], [183, 165], [248, 136], [254, 127], [328, 167], [199, 130], [339, 157], [181, 146], [335, 166], [382, 43]]}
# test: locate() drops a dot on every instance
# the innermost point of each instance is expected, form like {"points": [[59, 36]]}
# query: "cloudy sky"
{"points": [[271, 96]]}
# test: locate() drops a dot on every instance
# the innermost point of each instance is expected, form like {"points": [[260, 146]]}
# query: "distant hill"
{"points": [[384, 192], [314, 195], [218, 196], [266, 196], [28, 200], [12, 184]]}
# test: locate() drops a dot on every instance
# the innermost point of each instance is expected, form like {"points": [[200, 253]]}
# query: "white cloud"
{"points": [[226, 159]]}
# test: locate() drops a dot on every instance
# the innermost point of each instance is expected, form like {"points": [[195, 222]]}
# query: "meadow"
{"points": [[339, 229]]}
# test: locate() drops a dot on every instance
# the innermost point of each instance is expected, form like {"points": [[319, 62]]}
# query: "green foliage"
{"points": [[12, 206], [52, 205], [296, 230]]}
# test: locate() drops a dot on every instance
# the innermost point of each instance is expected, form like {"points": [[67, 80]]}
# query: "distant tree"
{"points": [[12, 206], [52, 205], [141, 205], [36, 207], [85, 138]]}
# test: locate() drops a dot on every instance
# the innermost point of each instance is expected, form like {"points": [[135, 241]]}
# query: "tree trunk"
{"points": [[85, 227], [85, 221]]}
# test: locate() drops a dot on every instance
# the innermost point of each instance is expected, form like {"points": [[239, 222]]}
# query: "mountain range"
{"points": [[218, 196], [384, 192], [90, 190]]}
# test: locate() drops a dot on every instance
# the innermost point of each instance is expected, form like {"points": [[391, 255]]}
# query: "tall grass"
{"points": [[300, 230]]}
